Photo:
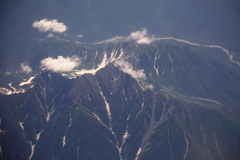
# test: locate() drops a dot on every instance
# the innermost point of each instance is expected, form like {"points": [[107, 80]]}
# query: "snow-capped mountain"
{"points": [[119, 80], [135, 101]]}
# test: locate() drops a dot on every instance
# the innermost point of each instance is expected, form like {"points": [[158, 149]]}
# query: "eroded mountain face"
{"points": [[182, 71], [156, 101], [72, 96]]}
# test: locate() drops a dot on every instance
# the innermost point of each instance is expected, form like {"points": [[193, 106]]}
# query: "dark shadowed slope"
{"points": [[109, 116]]}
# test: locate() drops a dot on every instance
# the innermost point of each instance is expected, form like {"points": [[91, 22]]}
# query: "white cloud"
{"points": [[126, 67], [79, 36], [139, 75], [26, 68], [138, 34], [60, 64], [50, 35], [116, 39], [144, 40], [147, 86], [141, 37], [7, 73], [53, 25]]}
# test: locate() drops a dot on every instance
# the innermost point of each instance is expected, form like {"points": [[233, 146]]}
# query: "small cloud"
{"points": [[116, 39], [138, 34], [8, 73], [139, 75], [53, 25], [141, 37], [26, 68], [126, 67], [60, 64], [50, 35], [79, 36], [147, 86], [144, 40]]}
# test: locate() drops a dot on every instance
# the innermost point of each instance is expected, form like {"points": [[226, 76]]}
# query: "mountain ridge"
{"points": [[162, 64], [129, 108], [88, 79]]}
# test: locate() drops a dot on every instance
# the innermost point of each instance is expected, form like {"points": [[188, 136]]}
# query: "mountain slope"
{"points": [[90, 90], [89, 118], [182, 71]]}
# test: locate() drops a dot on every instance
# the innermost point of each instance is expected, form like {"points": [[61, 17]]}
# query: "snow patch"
{"points": [[33, 145], [139, 151], [169, 56], [21, 125], [5, 91], [27, 82], [70, 120], [93, 71], [49, 114], [32, 151], [154, 64], [108, 109], [96, 116], [64, 140], [14, 90]]}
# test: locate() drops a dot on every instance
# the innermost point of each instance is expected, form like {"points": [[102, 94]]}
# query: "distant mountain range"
{"points": [[139, 101], [119, 80]]}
